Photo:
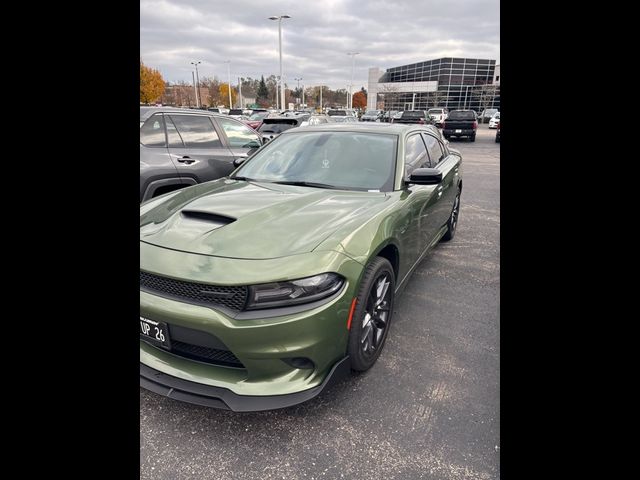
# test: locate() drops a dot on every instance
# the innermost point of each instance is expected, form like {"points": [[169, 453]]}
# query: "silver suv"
{"points": [[439, 115], [181, 147]]}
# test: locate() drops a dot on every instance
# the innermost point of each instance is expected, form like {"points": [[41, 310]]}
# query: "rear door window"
{"points": [[196, 131], [152, 132]]}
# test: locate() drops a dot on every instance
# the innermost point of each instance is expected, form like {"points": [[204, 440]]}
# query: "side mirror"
{"points": [[239, 161], [425, 176], [265, 140]]}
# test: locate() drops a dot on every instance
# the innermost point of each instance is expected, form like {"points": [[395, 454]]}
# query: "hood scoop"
{"points": [[214, 219]]}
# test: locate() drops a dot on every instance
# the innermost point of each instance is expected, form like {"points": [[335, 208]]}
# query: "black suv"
{"points": [[180, 147]]}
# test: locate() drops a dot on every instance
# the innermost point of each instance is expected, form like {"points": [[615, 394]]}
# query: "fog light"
{"points": [[299, 362]]}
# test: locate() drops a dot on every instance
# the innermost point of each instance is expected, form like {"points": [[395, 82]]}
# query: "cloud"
{"points": [[174, 33]]}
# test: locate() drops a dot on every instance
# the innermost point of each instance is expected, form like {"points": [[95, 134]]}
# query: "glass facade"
{"points": [[463, 83]]}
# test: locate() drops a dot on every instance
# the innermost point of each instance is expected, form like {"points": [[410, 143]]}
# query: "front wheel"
{"points": [[452, 223], [473, 137], [372, 316]]}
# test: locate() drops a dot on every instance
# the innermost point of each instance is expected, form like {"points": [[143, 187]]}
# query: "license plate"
{"points": [[154, 332], [458, 131]]}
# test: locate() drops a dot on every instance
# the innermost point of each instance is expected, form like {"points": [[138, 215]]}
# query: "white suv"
{"points": [[493, 123], [439, 115]]}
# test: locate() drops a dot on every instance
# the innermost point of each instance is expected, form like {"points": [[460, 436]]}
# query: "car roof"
{"points": [[364, 127], [146, 112]]}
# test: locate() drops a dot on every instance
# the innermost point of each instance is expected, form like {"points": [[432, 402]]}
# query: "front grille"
{"points": [[233, 298], [205, 354]]}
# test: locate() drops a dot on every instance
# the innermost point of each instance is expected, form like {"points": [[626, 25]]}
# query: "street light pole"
{"points": [[195, 91], [279, 18], [197, 83], [228, 62], [353, 64], [297, 79]]}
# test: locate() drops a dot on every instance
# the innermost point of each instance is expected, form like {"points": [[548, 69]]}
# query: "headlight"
{"points": [[295, 292]]}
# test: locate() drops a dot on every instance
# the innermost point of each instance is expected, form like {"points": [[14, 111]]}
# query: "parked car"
{"points": [[420, 117], [388, 115], [461, 123], [439, 115], [345, 119], [498, 134], [317, 119], [372, 116], [274, 125], [493, 123], [341, 113], [261, 289], [181, 147], [486, 114], [255, 120]]}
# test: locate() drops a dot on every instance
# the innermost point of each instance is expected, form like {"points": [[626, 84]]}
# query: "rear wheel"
{"points": [[372, 316], [452, 223], [472, 137]]}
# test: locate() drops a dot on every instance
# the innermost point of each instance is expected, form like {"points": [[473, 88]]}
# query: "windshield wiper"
{"points": [[306, 184], [246, 179]]}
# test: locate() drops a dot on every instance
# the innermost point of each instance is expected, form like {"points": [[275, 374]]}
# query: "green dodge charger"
{"points": [[261, 289]]}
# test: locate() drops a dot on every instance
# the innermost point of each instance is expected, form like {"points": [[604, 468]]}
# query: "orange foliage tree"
{"points": [[359, 100], [224, 94], [151, 84]]}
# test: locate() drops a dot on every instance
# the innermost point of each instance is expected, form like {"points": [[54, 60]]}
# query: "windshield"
{"points": [[371, 112], [275, 127], [462, 115], [497, 116], [436, 111], [341, 113], [413, 114], [344, 160], [259, 116]]}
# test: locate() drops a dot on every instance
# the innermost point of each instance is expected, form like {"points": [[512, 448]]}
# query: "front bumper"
{"points": [[264, 343], [223, 398]]}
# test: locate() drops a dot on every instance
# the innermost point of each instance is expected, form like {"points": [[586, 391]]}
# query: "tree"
{"points": [[262, 96], [359, 100], [151, 84], [389, 94], [224, 94], [438, 99]]}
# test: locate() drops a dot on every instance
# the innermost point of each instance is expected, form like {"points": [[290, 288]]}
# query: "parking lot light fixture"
{"points": [[198, 84], [353, 64], [228, 62], [279, 18]]}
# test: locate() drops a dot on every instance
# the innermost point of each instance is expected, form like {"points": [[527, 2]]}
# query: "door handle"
{"points": [[186, 160]]}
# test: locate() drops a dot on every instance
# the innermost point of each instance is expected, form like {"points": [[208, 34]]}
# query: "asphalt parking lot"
{"points": [[428, 409]]}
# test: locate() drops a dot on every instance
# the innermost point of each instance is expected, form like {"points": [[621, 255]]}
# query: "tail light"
{"points": [[444, 125], [475, 124]]}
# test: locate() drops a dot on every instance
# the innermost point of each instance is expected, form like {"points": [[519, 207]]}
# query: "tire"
{"points": [[367, 335], [497, 139], [452, 223], [472, 138]]}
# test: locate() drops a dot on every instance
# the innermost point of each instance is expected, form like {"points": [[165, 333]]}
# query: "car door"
{"points": [[449, 165], [156, 167], [421, 202], [241, 139], [196, 148]]}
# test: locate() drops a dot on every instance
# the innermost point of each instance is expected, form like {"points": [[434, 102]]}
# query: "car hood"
{"points": [[238, 219]]}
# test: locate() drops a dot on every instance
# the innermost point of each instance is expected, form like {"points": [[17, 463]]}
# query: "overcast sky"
{"points": [[315, 40]]}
